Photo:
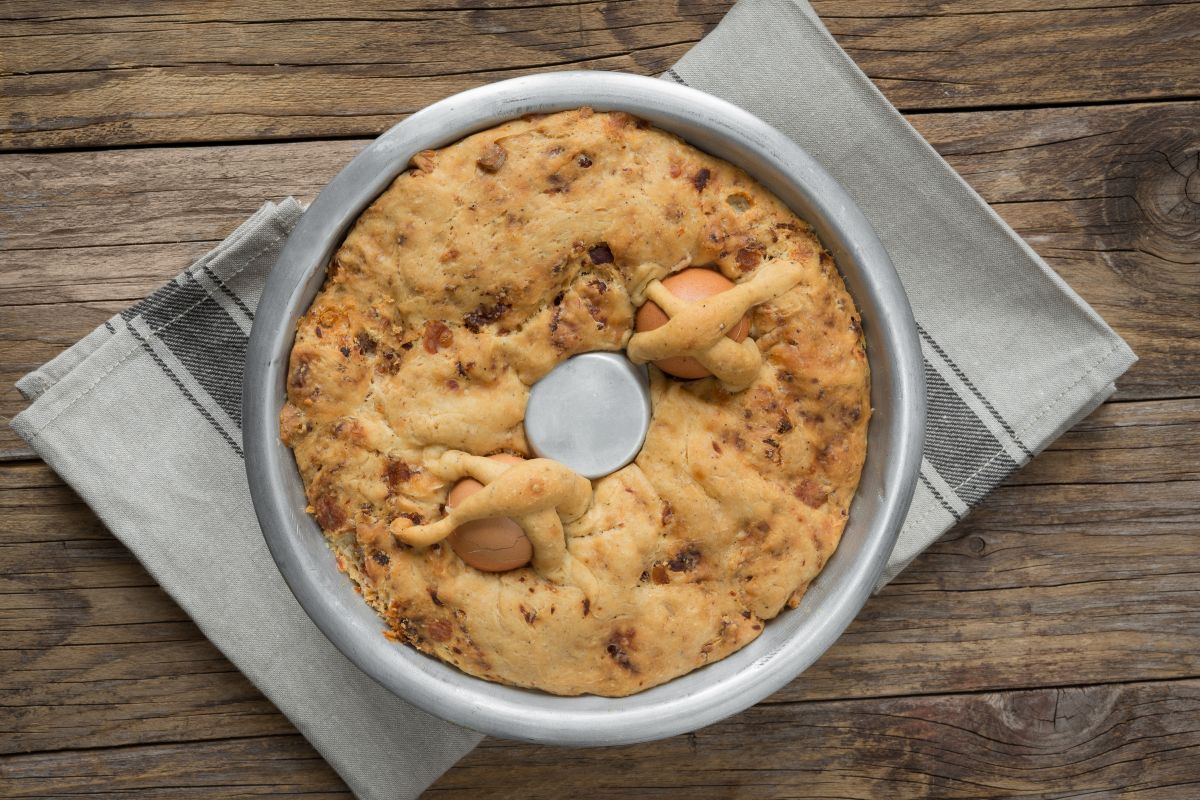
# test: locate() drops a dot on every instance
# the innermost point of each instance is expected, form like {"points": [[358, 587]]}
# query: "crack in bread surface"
{"points": [[474, 275]]}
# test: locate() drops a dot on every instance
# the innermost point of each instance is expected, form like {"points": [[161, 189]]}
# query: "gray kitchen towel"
{"points": [[142, 417]]}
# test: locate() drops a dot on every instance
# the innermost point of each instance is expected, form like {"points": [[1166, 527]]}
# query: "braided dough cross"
{"points": [[538, 494], [699, 329]]}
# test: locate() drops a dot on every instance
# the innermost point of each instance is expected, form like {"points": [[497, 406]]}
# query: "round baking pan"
{"points": [[790, 642]]}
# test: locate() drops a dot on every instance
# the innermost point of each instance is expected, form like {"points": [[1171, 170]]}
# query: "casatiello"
{"points": [[483, 266]]}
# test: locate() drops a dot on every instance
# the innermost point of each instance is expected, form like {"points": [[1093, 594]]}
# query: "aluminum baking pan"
{"points": [[790, 642]]}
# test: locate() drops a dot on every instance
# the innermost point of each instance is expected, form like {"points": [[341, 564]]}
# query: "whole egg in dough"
{"points": [[693, 285], [492, 545]]}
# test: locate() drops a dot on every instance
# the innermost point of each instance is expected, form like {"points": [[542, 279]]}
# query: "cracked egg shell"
{"points": [[496, 544], [693, 285]]}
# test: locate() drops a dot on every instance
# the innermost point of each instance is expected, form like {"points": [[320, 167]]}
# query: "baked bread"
{"points": [[482, 267]]}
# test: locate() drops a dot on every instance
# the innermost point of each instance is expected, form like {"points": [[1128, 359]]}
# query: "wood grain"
{"points": [[134, 74], [1107, 194], [260, 766], [1047, 743], [271, 70], [1139, 740], [1046, 582]]}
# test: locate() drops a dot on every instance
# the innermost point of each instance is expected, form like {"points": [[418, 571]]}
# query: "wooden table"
{"points": [[1048, 646]]}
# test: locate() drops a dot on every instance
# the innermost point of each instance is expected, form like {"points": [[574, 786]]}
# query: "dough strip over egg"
{"points": [[539, 495], [699, 329]]}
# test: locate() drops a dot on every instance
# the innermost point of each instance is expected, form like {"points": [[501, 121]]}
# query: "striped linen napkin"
{"points": [[142, 417]]}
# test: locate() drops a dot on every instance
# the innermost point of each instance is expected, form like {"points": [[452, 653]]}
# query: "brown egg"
{"points": [[693, 285], [496, 544]]}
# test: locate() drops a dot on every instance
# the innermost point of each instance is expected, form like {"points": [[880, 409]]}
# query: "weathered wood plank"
{"points": [[1123, 443], [75, 77], [194, 195], [1045, 584], [260, 766], [928, 56], [1138, 740], [122, 272], [275, 71], [40, 508], [148, 196], [1102, 192], [1029, 584]]}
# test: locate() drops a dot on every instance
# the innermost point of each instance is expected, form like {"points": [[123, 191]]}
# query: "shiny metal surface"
{"points": [[591, 412], [788, 643]]}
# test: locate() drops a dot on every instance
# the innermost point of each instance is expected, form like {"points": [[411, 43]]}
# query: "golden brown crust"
{"points": [[485, 265]]}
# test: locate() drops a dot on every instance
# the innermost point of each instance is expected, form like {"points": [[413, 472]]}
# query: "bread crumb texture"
{"points": [[486, 264]]}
